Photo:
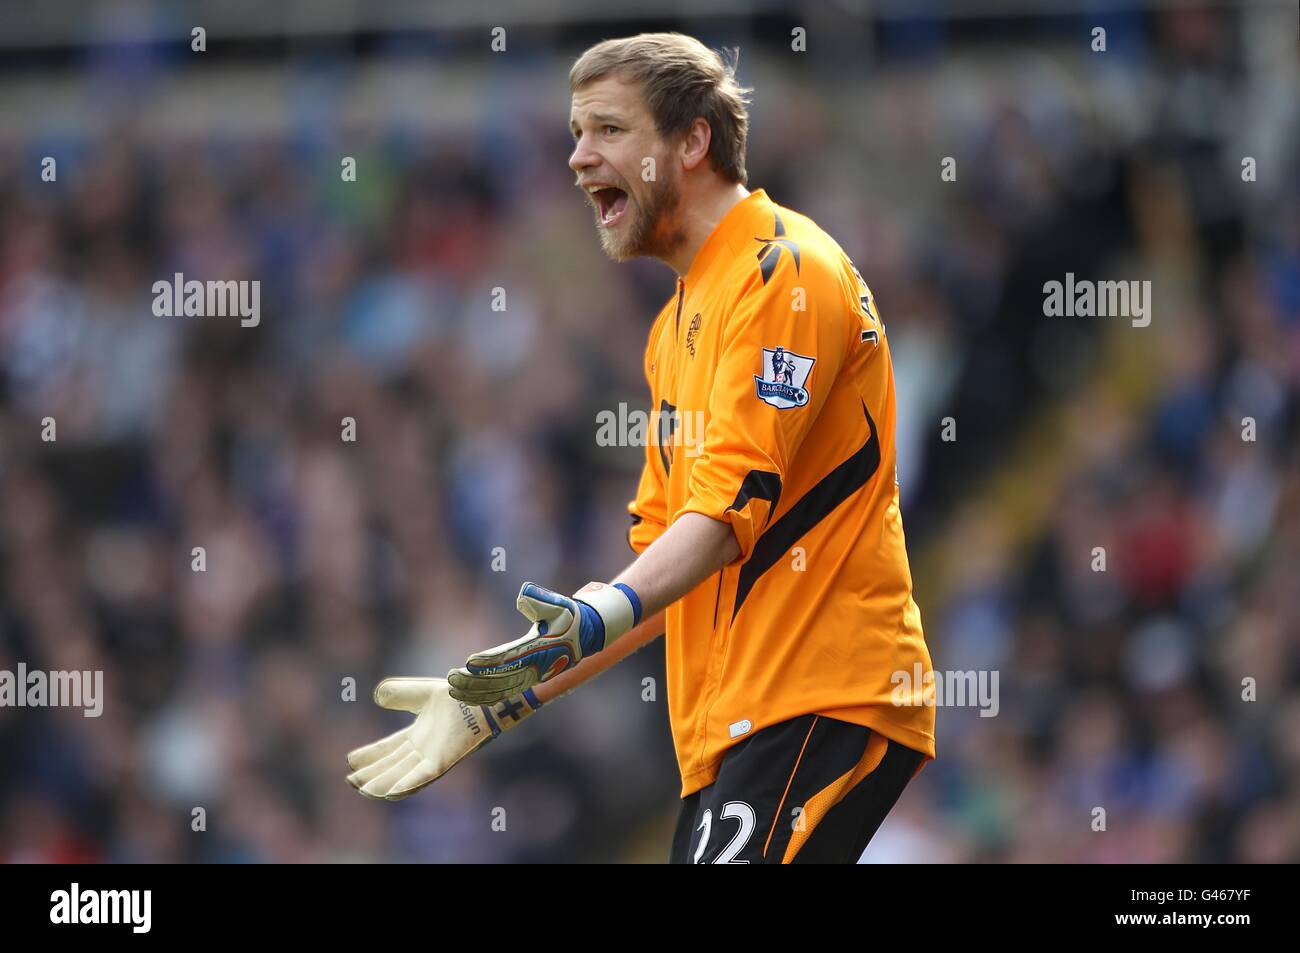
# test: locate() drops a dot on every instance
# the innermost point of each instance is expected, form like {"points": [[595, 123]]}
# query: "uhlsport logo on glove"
{"points": [[784, 375]]}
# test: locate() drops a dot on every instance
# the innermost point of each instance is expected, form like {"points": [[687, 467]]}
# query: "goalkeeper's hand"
{"points": [[565, 630], [444, 732]]}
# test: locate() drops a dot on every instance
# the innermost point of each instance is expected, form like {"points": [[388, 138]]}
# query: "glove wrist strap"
{"points": [[504, 715], [618, 606]]}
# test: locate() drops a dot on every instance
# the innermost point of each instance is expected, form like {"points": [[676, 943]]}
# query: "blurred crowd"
{"points": [[1164, 689]]}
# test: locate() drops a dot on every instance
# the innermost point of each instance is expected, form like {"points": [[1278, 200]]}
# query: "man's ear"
{"points": [[695, 144]]}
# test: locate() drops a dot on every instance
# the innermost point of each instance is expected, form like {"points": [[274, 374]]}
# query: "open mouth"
{"points": [[611, 203]]}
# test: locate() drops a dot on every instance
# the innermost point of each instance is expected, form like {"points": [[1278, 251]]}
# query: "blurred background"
{"points": [[330, 560]]}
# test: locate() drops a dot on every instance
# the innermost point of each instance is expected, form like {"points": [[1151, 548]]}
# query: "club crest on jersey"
{"points": [[693, 332], [784, 374]]}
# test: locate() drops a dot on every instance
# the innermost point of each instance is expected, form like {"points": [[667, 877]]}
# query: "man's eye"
{"points": [[611, 128]]}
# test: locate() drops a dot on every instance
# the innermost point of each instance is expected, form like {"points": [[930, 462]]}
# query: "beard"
{"points": [[650, 230]]}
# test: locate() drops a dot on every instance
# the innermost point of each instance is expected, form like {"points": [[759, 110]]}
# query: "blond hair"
{"points": [[682, 80]]}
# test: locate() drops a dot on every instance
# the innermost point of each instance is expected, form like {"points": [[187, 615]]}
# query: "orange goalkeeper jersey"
{"points": [[770, 374]]}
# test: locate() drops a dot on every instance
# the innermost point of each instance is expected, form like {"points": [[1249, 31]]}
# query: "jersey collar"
{"points": [[752, 217]]}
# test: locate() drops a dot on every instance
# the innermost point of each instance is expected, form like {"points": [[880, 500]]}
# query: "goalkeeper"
{"points": [[772, 555]]}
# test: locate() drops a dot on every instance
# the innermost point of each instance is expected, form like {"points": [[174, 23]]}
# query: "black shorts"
{"points": [[808, 790]]}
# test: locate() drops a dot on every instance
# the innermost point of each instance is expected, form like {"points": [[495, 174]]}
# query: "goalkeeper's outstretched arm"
{"points": [[447, 729], [688, 552], [568, 629]]}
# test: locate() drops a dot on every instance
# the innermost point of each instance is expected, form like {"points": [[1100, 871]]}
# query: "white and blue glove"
{"points": [[566, 629]]}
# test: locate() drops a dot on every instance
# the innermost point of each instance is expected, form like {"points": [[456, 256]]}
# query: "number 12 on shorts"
{"points": [[732, 809]]}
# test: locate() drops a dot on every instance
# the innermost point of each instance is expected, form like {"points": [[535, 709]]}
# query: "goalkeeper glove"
{"points": [[444, 732], [565, 631]]}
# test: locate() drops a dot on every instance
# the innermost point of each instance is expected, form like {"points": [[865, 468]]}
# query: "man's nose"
{"points": [[582, 157]]}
